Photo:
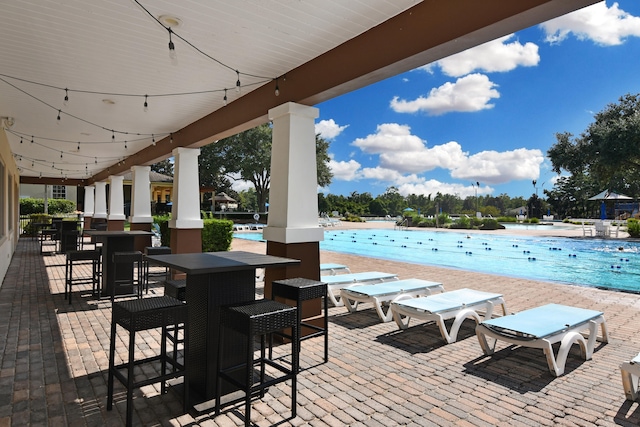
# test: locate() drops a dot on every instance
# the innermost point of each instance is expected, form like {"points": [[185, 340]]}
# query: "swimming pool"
{"points": [[588, 262]]}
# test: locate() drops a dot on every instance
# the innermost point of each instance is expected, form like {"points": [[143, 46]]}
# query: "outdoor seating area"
{"points": [[353, 387]]}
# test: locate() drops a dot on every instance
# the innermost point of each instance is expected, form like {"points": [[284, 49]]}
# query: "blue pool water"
{"points": [[588, 262]]}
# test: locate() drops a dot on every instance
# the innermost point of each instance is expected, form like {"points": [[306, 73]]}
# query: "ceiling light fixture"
{"points": [[172, 49], [7, 122]]}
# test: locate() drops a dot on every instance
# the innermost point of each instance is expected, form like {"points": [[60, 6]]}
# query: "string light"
{"points": [[125, 145], [153, 140], [20, 140], [225, 97], [78, 145], [58, 122], [172, 49], [61, 154], [238, 82], [32, 139], [113, 136], [96, 160], [146, 105], [277, 88], [66, 97], [171, 138]]}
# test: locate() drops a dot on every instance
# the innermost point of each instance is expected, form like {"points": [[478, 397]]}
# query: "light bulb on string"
{"points": [[172, 49], [61, 154], [146, 105], [170, 138], [225, 97], [238, 82], [113, 136], [53, 165], [31, 163], [153, 140], [277, 88], [20, 140], [66, 97], [96, 160], [32, 139], [58, 119], [125, 145], [78, 145]]}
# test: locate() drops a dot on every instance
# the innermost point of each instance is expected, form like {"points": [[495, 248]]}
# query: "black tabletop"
{"points": [[116, 233], [216, 262]]}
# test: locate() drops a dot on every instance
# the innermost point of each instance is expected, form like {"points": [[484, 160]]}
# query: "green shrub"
{"points": [[30, 229], [352, 218], [427, 222], [217, 235], [633, 227], [462, 222], [30, 206], [507, 219], [491, 224]]}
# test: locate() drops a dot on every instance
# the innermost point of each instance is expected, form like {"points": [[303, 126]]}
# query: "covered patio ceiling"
{"points": [[109, 57]]}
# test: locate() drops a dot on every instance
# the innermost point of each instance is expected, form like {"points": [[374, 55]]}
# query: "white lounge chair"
{"points": [[541, 327], [334, 268], [459, 305], [385, 293], [586, 229], [341, 281], [630, 373]]}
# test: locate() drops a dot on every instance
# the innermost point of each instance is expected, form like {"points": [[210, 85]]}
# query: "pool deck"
{"points": [[53, 360]]}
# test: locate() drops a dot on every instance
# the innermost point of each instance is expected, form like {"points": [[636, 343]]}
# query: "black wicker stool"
{"points": [[154, 250], [257, 318], [139, 315], [128, 272], [300, 290], [176, 288], [77, 258]]}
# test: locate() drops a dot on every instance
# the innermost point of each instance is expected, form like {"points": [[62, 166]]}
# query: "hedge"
{"points": [[216, 234], [30, 206]]}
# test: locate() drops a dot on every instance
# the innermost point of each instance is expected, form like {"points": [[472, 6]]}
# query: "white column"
{"points": [[89, 199], [116, 198], [293, 196], [185, 210], [101, 200], [140, 195]]}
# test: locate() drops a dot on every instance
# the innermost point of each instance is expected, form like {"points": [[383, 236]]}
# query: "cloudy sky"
{"points": [[486, 115]]}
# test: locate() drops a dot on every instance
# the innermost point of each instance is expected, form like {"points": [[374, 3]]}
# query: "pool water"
{"points": [[588, 262]]}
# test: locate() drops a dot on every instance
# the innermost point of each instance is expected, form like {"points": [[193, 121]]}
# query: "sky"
{"points": [[487, 115]]}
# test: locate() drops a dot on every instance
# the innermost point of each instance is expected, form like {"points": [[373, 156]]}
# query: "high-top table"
{"points": [[215, 279], [115, 241]]}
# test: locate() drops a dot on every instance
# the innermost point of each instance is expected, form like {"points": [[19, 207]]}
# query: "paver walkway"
{"points": [[53, 362]]}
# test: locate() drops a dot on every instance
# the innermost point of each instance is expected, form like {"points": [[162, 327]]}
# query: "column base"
{"points": [[115, 225], [186, 240], [141, 242]]}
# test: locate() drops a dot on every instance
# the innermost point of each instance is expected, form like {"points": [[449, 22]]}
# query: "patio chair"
{"points": [[383, 294], [587, 230], [334, 268], [630, 373], [543, 326], [341, 281], [459, 305]]}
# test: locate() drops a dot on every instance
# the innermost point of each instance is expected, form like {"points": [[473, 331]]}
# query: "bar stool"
{"points": [[132, 279], [139, 315], [257, 318], [176, 288], [300, 290], [77, 258], [154, 250]]}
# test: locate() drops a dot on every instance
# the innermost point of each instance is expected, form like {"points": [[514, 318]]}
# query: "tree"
{"points": [[247, 156], [609, 149], [164, 167]]}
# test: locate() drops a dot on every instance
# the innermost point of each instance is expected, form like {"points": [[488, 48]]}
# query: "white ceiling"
{"points": [[115, 47]]}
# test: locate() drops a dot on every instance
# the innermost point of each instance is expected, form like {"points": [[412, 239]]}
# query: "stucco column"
{"points": [[140, 218], [186, 224], [115, 220], [89, 199], [100, 211], [292, 230]]}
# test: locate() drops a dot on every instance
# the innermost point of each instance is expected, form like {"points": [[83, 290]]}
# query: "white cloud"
{"points": [[345, 171], [490, 57], [401, 153], [432, 186], [389, 137], [241, 185], [329, 129], [499, 167], [603, 25], [468, 94]]}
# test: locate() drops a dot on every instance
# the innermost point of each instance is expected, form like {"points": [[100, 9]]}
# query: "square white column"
{"points": [[185, 210], [101, 200], [293, 194], [89, 199], [140, 195], [116, 198]]}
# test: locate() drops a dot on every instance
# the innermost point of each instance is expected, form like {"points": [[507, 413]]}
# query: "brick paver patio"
{"points": [[53, 361]]}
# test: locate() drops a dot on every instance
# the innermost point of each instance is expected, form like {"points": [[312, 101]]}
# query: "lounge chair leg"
{"points": [[630, 374]]}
